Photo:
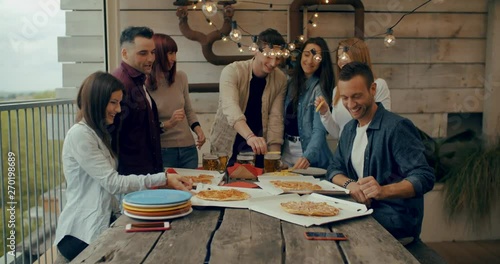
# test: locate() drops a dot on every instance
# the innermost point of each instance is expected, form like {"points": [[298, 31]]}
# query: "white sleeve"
{"points": [[85, 150], [383, 94], [330, 125]]}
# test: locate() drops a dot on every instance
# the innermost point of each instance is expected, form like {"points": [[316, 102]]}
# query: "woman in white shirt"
{"points": [[89, 165], [352, 49]]}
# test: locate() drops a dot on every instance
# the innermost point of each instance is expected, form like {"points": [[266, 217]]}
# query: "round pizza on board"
{"points": [[223, 195], [310, 208]]}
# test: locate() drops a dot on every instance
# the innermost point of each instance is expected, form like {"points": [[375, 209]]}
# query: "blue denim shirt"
{"points": [[312, 133], [394, 153]]}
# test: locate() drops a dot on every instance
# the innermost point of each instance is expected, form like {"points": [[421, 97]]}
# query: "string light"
{"points": [[253, 47], [235, 33], [209, 8], [286, 54], [209, 22], [389, 39], [316, 56], [302, 38], [344, 57], [326, 1], [291, 46], [316, 15], [240, 48]]}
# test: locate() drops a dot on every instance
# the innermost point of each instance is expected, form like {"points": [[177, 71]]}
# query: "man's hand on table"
{"points": [[371, 188], [357, 194]]}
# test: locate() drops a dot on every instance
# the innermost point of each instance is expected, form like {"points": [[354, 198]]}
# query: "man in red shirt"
{"points": [[138, 148]]}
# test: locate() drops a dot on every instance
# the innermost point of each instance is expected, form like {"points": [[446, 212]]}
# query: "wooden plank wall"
{"points": [[436, 67]]}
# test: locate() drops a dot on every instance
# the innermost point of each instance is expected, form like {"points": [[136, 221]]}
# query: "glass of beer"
{"points": [[210, 162], [246, 159], [272, 163], [223, 159], [248, 153]]}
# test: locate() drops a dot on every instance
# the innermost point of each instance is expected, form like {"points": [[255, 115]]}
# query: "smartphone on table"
{"points": [[325, 236], [147, 226]]}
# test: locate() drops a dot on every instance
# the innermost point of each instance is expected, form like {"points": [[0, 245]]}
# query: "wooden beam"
{"points": [[491, 110]]}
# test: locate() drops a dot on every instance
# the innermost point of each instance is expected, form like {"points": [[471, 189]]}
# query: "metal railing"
{"points": [[32, 186]]}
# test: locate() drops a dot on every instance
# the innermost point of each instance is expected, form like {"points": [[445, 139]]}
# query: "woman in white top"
{"points": [[352, 49], [89, 165]]}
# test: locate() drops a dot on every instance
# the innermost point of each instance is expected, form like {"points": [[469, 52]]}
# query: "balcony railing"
{"points": [[32, 186]]}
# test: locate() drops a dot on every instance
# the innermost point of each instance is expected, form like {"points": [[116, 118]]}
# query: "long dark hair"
{"points": [[324, 73], [163, 44], [93, 98]]}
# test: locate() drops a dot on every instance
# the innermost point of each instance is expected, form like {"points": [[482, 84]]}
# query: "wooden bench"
{"points": [[424, 254]]}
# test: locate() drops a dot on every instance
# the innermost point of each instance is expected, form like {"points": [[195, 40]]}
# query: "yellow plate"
{"points": [[165, 209]]}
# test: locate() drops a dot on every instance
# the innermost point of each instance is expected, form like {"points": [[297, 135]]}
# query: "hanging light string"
{"points": [[236, 35]]}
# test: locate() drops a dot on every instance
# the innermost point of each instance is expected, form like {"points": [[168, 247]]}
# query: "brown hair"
{"points": [[357, 51], [163, 44], [93, 98]]}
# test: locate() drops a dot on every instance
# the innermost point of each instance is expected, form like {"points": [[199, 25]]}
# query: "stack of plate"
{"points": [[157, 204]]}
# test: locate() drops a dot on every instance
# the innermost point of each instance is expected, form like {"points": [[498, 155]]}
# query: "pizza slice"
{"points": [[202, 178], [296, 186], [223, 195], [310, 208]]}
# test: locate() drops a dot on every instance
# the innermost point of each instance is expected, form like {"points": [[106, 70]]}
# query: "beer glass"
{"points": [[210, 162], [272, 163], [246, 159], [223, 159]]}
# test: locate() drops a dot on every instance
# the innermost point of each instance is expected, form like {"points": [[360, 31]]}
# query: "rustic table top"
{"points": [[216, 235]]}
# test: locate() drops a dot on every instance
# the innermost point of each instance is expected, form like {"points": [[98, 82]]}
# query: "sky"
{"points": [[28, 44]]}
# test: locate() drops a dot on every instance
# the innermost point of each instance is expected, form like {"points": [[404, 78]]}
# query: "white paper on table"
{"points": [[272, 206], [287, 178], [326, 186], [254, 193], [218, 177]]}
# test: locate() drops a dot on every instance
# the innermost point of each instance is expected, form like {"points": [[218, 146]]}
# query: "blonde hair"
{"points": [[357, 51]]}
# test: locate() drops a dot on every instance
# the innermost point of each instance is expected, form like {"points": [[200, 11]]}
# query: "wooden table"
{"points": [[215, 235]]}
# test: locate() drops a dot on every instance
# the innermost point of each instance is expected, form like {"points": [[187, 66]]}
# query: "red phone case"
{"points": [[147, 227]]}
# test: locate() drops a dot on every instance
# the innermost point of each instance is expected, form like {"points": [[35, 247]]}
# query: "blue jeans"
{"points": [[184, 157]]}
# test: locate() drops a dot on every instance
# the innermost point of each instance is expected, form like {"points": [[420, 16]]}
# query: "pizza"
{"points": [[223, 195], [296, 185], [202, 178], [310, 208], [282, 173]]}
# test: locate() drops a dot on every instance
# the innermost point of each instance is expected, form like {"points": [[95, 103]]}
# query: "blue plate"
{"points": [[157, 197]]}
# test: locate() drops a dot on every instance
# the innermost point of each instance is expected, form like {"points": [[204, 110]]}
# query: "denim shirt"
{"points": [[312, 133], [394, 153]]}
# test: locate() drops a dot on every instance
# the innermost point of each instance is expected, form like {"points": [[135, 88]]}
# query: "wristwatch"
{"points": [[162, 125], [347, 183]]}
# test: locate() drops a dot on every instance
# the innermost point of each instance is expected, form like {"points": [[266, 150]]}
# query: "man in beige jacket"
{"points": [[250, 112]]}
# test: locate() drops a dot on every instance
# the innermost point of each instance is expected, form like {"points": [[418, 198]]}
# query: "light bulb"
{"points": [[209, 8], [194, 6], [224, 38], [272, 53], [316, 15], [344, 58], [314, 24], [317, 58], [279, 53], [235, 35], [389, 40], [241, 50], [326, 1], [286, 54], [253, 47], [291, 46], [302, 38], [265, 53]]}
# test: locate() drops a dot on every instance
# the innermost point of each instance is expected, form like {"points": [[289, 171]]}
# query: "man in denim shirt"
{"points": [[380, 157]]}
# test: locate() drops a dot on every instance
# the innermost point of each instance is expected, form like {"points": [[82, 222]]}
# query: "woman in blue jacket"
{"points": [[305, 136]]}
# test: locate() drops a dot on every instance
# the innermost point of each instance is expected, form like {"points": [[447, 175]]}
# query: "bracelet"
{"points": [[249, 136], [347, 183]]}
